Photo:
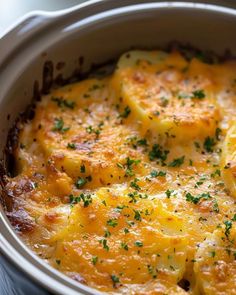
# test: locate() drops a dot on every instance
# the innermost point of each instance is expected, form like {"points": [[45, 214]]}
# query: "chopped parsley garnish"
{"points": [[119, 208], [85, 198], [199, 94], [126, 230], [112, 222], [82, 168], [90, 130], [216, 206], [129, 166], [155, 173], [107, 234], [168, 193], [115, 280], [133, 197], [104, 244], [234, 218], [134, 184], [137, 142], [137, 215], [124, 246], [157, 152], [61, 102], [71, 145], [73, 199], [177, 162], [59, 125], [216, 173], [80, 182], [138, 244], [164, 101], [228, 226], [119, 165], [94, 260], [126, 112], [142, 142], [209, 143], [197, 198]]}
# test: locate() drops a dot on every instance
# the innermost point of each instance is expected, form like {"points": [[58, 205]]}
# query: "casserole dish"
{"points": [[58, 46]]}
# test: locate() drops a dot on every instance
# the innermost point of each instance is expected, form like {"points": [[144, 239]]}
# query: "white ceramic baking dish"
{"points": [[71, 41]]}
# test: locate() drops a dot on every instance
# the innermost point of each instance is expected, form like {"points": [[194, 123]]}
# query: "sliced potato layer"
{"points": [[167, 94], [125, 242], [74, 129], [215, 266]]}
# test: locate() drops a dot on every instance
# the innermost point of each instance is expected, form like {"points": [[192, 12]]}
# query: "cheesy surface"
{"points": [[127, 183]]}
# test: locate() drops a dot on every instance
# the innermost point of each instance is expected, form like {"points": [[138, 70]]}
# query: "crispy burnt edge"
{"points": [[49, 82]]}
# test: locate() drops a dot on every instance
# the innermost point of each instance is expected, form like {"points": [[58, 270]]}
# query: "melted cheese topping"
{"points": [[127, 183]]}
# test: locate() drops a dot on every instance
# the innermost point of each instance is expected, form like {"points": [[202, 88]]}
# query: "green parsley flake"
{"points": [[155, 173], [94, 260], [234, 218], [157, 152], [80, 182], [115, 280], [168, 193], [177, 162], [90, 130], [142, 142], [137, 215], [61, 102], [104, 244], [138, 244], [126, 230], [124, 246], [196, 199], [129, 166], [59, 125], [82, 169], [71, 146], [209, 143], [107, 234], [198, 94], [112, 222], [86, 199], [228, 226], [126, 112], [134, 184]]}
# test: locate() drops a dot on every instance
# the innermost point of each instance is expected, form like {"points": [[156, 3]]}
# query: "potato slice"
{"points": [[167, 95], [215, 266], [228, 160], [124, 237], [74, 130]]}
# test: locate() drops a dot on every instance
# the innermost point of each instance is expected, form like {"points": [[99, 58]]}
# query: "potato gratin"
{"points": [[127, 183]]}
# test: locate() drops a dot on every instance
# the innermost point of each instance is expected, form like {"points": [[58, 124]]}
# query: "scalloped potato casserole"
{"points": [[127, 183]]}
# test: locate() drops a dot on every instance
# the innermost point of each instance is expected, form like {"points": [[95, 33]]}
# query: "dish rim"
{"points": [[10, 243]]}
